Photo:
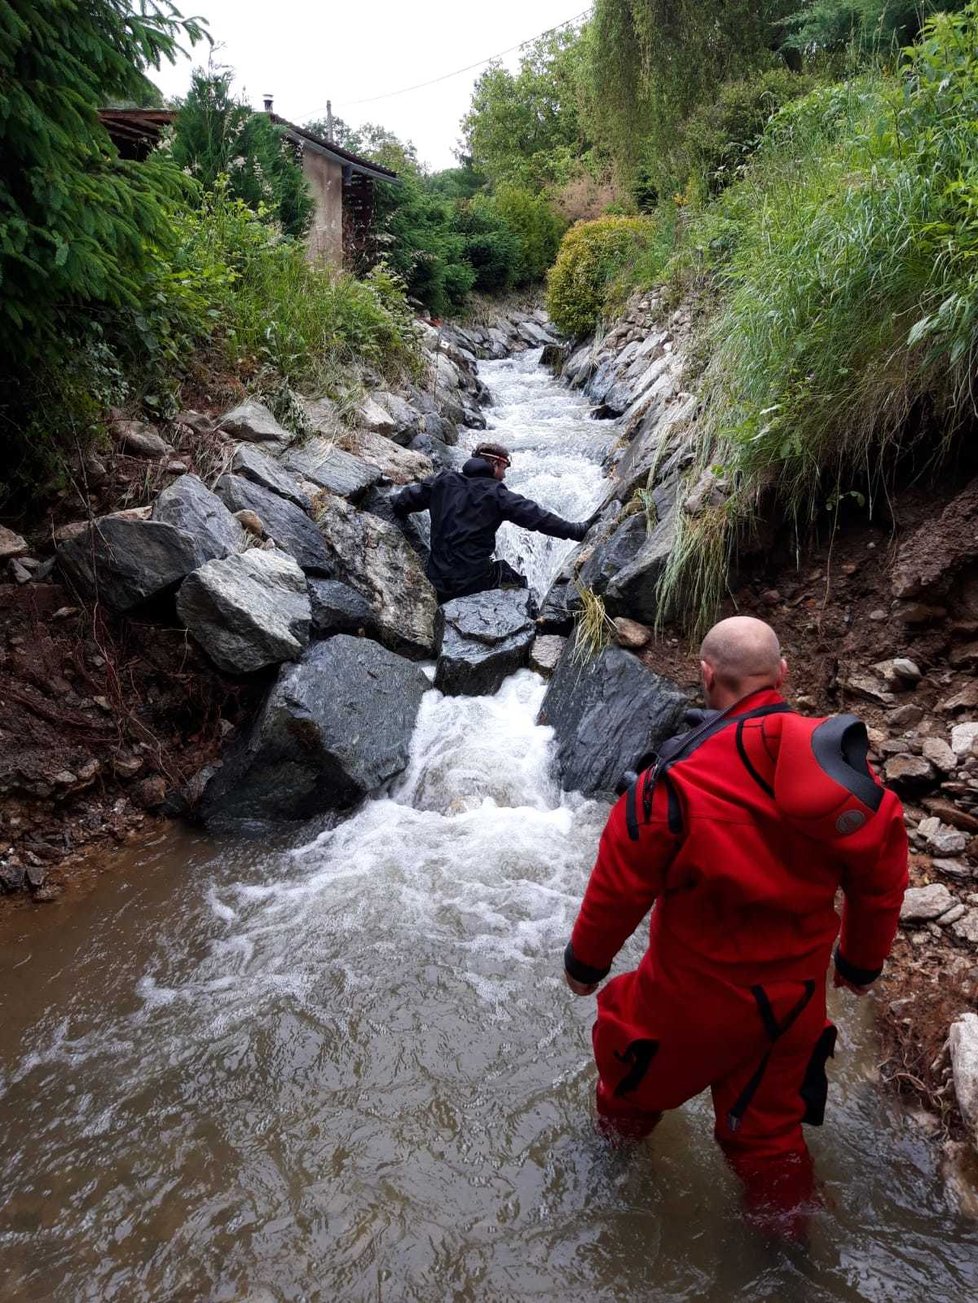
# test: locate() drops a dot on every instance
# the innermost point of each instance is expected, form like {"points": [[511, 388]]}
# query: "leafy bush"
{"points": [[489, 245], [849, 290], [862, 25], [592, 256], [537, 227]]}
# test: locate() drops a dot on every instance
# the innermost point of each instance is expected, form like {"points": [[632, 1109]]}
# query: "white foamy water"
{"points": [[345, 1067]]}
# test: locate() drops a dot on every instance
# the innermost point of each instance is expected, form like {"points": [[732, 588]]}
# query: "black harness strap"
{"points": [[761, 782], [775, 1031]]}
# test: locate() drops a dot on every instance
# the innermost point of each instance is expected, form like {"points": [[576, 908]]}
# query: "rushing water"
{"points": [[346, 1067]]}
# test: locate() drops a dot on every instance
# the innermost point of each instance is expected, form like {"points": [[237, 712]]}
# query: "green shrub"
{"points": [[489, 246], [592, 257], [537, 227]]}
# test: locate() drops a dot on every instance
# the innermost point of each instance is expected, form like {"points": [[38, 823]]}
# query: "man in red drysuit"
{"points": [[740, 835]]}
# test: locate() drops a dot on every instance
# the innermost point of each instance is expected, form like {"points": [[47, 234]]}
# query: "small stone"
{"points": [[65, 778], [140, 439], [947, 841], [177, 467], [103, 703], [19, 572], [878, 615], [150, 793], [919, 613], [966, 699], [965, 656], [939, 754], [63, 612], [963, 736], [546, 652], [966, 928], [908, 774], [923, 903], [870, 689], [952, 915], [127, 766], [11, 544], [905, 716], [36, 875], [953, 868], [771, 597], [631, 634], [907, 669], [250, 521]]}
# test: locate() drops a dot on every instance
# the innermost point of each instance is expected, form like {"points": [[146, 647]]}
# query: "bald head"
{"points": [[738, 656]]}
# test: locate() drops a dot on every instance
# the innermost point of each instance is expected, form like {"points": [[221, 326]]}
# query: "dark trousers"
{"points": [[499, 575]]}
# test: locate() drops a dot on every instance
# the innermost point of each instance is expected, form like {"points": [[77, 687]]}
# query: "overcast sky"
{"points": [[306, 53]]}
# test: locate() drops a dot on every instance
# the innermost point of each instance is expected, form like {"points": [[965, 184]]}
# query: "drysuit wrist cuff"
{"points": [[857, 976], [580, 971]]}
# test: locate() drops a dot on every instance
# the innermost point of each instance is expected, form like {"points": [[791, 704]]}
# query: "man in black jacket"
{"points": [[467, 507]]}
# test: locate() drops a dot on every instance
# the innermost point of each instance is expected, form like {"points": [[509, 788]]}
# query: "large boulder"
{"points": [[254, 422], [338, 608], [407, 421], [286, 523], [963, 1044], [481, 640], [396, 464], [332, 468], [248, 611], [633, 589], [374, 557], [189, 505], [258, 468], [334, 728], [124, 561], [607, 714], [613, 554]]}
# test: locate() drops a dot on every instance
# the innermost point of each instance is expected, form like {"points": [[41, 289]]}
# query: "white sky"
{"points": [[305, 53]]}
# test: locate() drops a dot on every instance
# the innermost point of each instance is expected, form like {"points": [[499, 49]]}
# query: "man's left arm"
{"points": [[873, 884], [627, 877], [530, 515]]}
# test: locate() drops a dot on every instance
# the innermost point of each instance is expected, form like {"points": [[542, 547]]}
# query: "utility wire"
{"points": [[458, 71]]}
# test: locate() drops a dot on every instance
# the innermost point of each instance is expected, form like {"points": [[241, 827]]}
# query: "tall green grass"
{"points": [[846, 265]]}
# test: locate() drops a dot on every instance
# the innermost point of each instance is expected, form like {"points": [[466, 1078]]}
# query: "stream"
{"points": [[342, 1065]]}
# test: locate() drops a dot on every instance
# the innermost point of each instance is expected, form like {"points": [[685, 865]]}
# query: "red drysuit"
{"points": [[740, 836]]}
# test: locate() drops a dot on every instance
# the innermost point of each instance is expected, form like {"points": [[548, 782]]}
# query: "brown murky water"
{"points": [[345, 1067]]}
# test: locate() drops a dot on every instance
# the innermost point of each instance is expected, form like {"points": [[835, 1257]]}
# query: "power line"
{"points": [[458, 71]]}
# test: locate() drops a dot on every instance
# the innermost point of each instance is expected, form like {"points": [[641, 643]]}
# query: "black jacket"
{"points": [[467, 507]]}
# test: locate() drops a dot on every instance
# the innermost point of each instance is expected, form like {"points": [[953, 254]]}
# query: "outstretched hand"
{"points": [[580, 988]]}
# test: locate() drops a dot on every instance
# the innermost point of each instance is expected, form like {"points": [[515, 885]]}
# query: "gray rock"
{"points": [[290, 527], [937, 751], [615, 553], [963, 737], [396, 464], [334, 728], [332, 468], [546, 652], [870, 688], [371, 416], [253, 421], [947, 841], [124, 562], [952, 915], [338, 608], [909, 775], [442, 455], [481, 640], [258, 468], [375, 558], [633, 589], [436, 426], [963, 1046], [966, 928], [607, 715], [247, 611], [923, 903], [189, 505], [406, 422], [140, 440], [11, 544]]}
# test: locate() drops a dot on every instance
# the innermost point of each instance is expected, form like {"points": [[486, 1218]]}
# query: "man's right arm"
{"points": [[416, 497], [627, 877], [530, 515]]}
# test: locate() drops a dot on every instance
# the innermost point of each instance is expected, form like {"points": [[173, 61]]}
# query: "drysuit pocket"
{"points": [[815, 1086]]}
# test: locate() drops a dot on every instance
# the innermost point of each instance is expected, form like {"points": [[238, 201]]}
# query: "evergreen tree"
{"points": [[217, 135]]}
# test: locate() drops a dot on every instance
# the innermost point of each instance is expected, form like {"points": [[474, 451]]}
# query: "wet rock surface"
{"points": [[248, 611], [283, 521], [480, 640], [334, 728], [189, 505], [124, 562], [338, 608], [607, 714]]}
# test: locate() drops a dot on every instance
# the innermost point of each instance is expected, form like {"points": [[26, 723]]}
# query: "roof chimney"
{"points": [[268, 103]]}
